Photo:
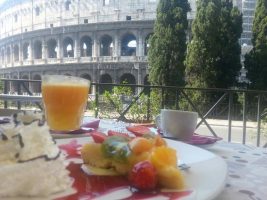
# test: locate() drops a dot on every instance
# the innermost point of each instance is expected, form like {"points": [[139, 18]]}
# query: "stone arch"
{"points": [[36, 86], [128, 78], [146, 45], [52, 48], [14, 77], [68, 47], [146, 82], [105, 78], [16, 53], [6, 84], [87, 77], [128, 45], [26, 77], [37, 11], [86, 46], [14, 85], [8, 54], [106, 45], [37, 49], [67, 5], [26, 50]]}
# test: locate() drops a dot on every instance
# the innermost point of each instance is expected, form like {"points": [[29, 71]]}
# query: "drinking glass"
{"points": [[65, 99]]}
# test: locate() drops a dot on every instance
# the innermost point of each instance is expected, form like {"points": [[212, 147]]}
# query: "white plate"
{"points": [[207, 173]]}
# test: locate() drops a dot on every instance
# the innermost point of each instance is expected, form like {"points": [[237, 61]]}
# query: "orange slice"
{"points": [[139, 145]]}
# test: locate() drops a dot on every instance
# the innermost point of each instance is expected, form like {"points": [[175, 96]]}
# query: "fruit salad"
{"points": [[145, 160]]}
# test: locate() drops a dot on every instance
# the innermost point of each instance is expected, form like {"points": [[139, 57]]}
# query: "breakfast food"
{"points": [[31, 164], [146, 160]]}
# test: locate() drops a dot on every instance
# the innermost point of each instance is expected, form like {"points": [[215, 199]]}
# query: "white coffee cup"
{"points": [[177, 124]]}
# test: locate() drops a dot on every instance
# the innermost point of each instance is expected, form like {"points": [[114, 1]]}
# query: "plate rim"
{"points": [[213, 159]]}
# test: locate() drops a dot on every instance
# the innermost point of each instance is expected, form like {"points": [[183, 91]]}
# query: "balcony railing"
{"points": [[143, 105]]}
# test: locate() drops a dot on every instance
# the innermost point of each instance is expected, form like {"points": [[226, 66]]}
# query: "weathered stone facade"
{"points": [[102, 40]]}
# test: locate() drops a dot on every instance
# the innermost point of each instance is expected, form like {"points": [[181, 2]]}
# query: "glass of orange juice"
{"points": [[65, 99]]}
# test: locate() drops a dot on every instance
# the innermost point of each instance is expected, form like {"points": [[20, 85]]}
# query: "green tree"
{"points": [[255, 60], [213, 58], [204, 48], [168, 43], [231, 30]]}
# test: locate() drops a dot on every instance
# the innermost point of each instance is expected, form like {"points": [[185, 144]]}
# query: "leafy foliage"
{"points": [[121, 96], [168, 43], [255, 61]]}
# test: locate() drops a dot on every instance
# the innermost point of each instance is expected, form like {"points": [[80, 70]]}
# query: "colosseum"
{"points": [[105, 41]]}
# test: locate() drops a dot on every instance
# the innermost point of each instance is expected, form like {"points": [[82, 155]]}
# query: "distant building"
{"points": [[248, 11]]}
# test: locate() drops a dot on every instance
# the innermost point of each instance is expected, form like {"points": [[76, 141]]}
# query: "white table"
{"points": [[247, 171]]}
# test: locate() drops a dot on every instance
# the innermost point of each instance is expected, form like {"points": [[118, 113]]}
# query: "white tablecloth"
{"points": [[247, 171]]}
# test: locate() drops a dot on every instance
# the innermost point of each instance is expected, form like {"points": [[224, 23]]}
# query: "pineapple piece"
{"points": [[133, 159], [89, 169], [171, 178], [121, 168], [92, 154]]}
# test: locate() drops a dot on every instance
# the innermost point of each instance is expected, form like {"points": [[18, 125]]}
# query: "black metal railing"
{"points": [[229, 104], [17, 88]]}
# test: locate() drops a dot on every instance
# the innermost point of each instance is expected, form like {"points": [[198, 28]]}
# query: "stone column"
{"points": [[116, 51], [96, 46], [44, 50], [5, 56], [30, 51], [139, 44], [93, 90], [77, 51], [139, 73], [139, 76], [12, 55], [119, 43], [1, 58], [140, 12], [59, 49], [20, 53], [117, 15]]}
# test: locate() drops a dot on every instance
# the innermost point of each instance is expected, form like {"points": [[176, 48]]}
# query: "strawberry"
{"points": [[139, 131], [98, 137], [112, 133], [143, 176]]}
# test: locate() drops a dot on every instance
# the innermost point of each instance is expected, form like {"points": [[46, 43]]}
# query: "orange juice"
{"points": [[64, 103]]}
